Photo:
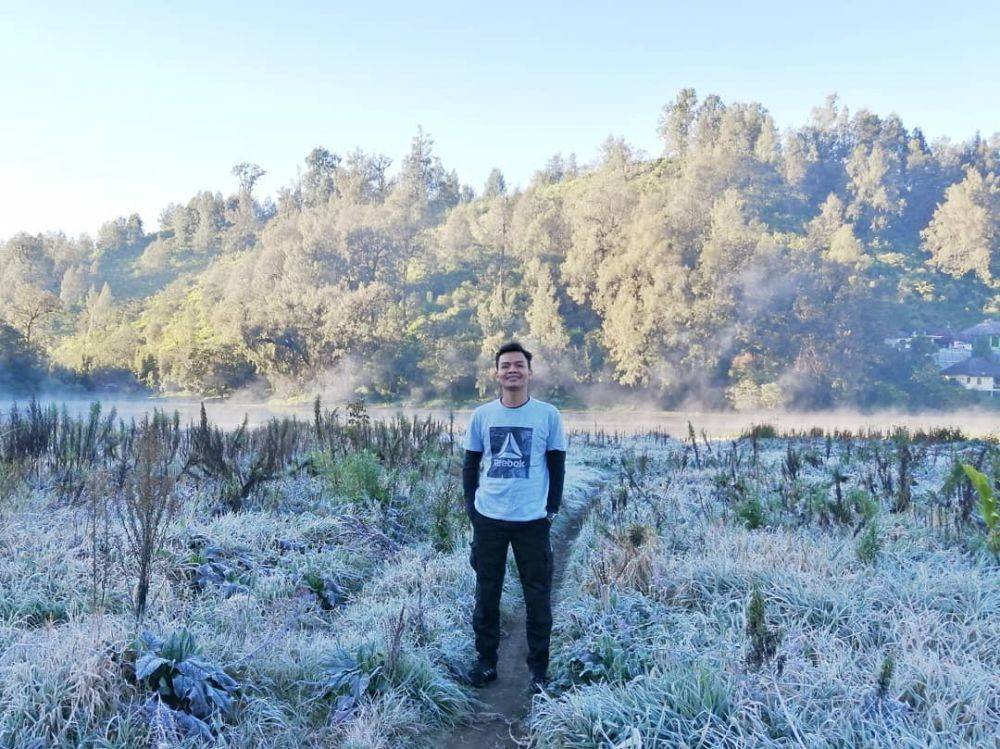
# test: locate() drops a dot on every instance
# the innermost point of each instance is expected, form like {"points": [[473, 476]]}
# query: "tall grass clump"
{"points": [[394, 666], [64, 687], [684, 705]]}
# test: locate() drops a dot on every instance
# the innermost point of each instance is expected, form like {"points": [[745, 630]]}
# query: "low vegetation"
{"points": [[802, 589], [769, 591]]}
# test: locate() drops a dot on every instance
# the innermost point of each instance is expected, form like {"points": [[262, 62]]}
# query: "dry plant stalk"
{"points": [[98, 492], [627, 562], [394, 631], [145, 508]]}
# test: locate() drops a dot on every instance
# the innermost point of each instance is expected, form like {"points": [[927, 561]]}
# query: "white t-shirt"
{"points": [[513, 475]]}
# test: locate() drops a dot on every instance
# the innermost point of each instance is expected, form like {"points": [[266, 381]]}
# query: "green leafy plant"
{"points": [[359, 477], [181, 679], [35, 612], [862, 503], [750, 513], [613, 643], [870, 543], [348, 678], [885, 674], [764, 640], [989, 508], [329, 593], [375, 669]]}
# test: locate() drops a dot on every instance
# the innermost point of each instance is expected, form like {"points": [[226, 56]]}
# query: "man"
{"points": [[518, 445]]}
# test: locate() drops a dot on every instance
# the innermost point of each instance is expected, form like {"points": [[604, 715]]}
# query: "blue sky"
{"points": [[107, 109]]}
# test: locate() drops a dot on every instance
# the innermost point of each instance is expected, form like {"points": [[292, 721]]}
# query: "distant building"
{"points": [[976, 373], [951, 351], [989, 330], [951, 347]]}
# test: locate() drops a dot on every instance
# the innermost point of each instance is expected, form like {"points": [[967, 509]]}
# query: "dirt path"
{"points": [[499, 724]]}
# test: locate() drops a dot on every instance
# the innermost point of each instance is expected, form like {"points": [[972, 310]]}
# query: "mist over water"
{"points": [[230, 413]]}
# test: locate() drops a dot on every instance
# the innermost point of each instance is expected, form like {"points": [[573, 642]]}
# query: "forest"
{"points": [[742, 267]]}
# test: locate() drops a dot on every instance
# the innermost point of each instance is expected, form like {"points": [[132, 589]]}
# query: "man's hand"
{"points": [[551, 517]]}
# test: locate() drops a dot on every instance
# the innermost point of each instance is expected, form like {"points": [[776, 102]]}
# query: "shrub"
{"points": [[358, 477], [146, 508], [371, 671], [443, 510], [760, 432], [625, 562], [182, 680]]}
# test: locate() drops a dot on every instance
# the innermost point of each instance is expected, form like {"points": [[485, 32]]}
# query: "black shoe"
{"points": [[481, 674], [539, 683]]}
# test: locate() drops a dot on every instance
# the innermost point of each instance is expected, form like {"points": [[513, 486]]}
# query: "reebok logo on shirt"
{"points": [[510, 451]]}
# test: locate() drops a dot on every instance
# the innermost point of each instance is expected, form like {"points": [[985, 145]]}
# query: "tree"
{"points": [[964, 235], [545, 324], [30, 308], [675, 122], [113, 235], [21, 368], [320, 180], [74, 285], [496, 185], [247, 174], [419, 173], [210, 222], [182, 220], [133, 230], [364, 177]]}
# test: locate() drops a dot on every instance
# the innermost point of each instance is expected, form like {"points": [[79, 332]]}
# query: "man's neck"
{"points": [[514, 398]]}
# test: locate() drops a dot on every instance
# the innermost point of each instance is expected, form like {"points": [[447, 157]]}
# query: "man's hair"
{"points": [[508, 348]]}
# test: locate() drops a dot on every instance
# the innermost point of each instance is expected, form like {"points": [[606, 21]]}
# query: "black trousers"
{"points": [[533, 555]]}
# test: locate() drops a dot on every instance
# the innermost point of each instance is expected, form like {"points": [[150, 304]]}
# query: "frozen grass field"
{"points": [[806, 591], [307, 584]]}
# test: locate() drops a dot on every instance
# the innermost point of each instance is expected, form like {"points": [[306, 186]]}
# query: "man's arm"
{"points": [[556, 462], [470, 478]]}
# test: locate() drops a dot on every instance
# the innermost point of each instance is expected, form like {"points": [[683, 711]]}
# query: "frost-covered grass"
{"points": [[725, 599], [270, 589], [652, 644], [337, 595]]}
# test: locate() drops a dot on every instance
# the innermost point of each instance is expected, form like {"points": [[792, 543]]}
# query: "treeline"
{"points": [[742, 266]]}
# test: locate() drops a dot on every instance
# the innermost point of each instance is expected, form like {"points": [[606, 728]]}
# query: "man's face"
{"points": [[513, 371]]}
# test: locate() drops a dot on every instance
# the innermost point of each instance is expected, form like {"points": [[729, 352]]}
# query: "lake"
{"points": [[230, 413]]}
